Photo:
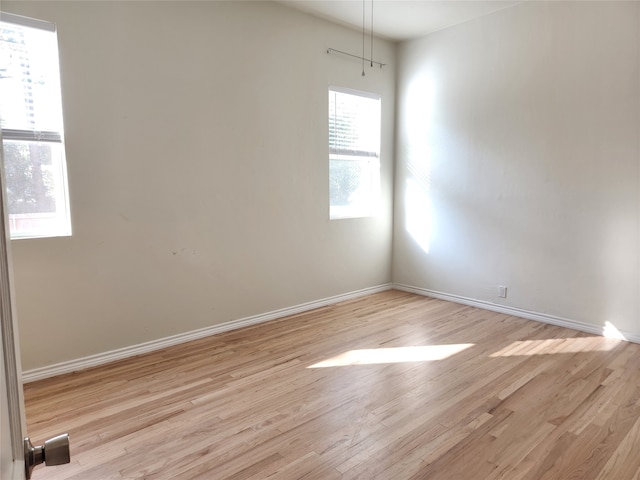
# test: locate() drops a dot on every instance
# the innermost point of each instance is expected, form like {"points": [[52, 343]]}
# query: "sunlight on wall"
{"points": [[418, 112], [418, 213], [425, 353], [610, 331], [557, 345]]}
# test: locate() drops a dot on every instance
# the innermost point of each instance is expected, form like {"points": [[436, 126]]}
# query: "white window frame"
{"points": [[59, 170], [368, 160]]}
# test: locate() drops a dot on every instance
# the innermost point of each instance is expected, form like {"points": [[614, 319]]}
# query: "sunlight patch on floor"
{"points": [[371, 356], [557, 345]]}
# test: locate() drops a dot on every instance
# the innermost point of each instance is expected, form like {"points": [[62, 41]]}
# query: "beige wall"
{"points": [[198, 168], [518, 161]]}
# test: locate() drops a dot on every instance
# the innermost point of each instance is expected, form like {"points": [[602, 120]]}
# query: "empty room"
{"points": [[320, 239]]}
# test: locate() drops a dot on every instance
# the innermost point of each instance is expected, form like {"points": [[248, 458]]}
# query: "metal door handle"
{"points": [[55, 451]]}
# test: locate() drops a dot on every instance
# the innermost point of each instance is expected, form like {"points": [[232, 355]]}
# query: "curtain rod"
{"points": [[333, 50]]}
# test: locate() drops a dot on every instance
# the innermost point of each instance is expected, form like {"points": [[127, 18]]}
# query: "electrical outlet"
{"points": [[502, 291]]}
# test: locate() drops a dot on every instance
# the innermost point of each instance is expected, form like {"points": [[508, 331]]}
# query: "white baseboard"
{"points": [[126, 352], [516, 312]]}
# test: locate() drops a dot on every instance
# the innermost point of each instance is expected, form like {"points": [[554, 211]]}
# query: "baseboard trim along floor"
{"points": [[146, 347], [519, 312], [126, 352]]}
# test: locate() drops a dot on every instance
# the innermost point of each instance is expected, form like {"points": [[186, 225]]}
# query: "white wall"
{"points": [[198, 169], [518, 161]]}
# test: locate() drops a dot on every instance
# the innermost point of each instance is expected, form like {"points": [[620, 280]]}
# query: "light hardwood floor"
{"points": [[514, 399]]}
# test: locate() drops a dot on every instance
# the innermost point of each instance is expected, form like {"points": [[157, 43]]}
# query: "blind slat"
{"points": [[27, 22], [30, 136]]}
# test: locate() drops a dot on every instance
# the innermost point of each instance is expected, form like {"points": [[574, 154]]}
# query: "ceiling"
{"points": [[399, 20]]}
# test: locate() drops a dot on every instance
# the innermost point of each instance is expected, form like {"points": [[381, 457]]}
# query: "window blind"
{"points": [[354, 124], [30, 104]]}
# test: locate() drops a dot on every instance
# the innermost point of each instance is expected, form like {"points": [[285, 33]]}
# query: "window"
{"points": [[32, 133], [354, 153]]}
